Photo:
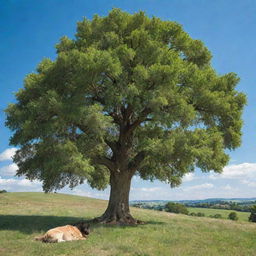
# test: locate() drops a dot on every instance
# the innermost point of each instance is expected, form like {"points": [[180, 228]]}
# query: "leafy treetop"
{"points": [[128, 93]]}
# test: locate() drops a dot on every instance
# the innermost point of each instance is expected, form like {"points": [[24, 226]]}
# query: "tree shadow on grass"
{"points": [[29, 224], [34, 223]]}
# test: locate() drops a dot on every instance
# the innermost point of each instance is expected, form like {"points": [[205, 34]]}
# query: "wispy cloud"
{"points": [[189, 177], [236, 181], [199, 187], [227, 187], [249, 183], [9, 170], [150, 189], [20, 184], [83, 191], [245, 172], [7, 154]]}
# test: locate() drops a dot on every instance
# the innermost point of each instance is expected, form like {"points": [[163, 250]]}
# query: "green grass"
{"points": [[26, 215], [242, 216]]}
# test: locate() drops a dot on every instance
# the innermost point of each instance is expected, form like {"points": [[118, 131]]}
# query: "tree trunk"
{"points": [[118, 211]]}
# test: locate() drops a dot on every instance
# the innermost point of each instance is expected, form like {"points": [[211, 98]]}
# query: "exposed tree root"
{"points": [[114, 220]]}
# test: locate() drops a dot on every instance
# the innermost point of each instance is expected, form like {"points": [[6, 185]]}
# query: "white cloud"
{"points": [[236, 181], [86, 190], [153, 189], [227, 187], [213, 175], [143, 189], [198, 187], [188, 177], [136, 178], [8, 170], [249, 183], [81, 192], [16, 184], [7, 154], [237, 171], [150, 193]]}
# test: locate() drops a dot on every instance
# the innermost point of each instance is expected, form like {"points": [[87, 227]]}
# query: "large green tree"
{"points": [[128, 95]]}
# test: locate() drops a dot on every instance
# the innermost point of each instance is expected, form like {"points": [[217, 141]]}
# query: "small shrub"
{"points": [[233, 216], [200, 214], [252, 216], [3, 191], [216, 216], [192, 214], [176, 208]]}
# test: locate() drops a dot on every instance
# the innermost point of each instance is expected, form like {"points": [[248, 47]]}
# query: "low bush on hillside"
{"points": [[198, 214], [216, 216], [233, 216], [3, 191], [252, 217], [176, 208]]}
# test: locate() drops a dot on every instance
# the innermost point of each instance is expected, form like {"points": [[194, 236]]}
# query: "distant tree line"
{"points": [[182, 209], [227, 205]]}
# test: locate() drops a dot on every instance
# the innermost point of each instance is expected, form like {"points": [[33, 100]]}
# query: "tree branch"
{"points": [[112, 145], [105, 161], [116, 117], [111, 78], [135, 163], [83, 128], [100, 100], [140, 119]]}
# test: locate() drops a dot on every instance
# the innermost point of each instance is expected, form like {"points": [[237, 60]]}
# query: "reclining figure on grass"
{"points": [[78, 231]]}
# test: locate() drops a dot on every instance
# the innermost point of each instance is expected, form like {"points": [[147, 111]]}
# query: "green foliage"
{"points": [[3, 191], [200, 214], [128, 93], [243, 216], [216, 216], [176, 208], [252, 216], [233, 216]]}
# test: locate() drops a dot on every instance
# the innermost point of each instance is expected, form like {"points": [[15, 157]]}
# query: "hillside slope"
{"points": [[26, 215]]}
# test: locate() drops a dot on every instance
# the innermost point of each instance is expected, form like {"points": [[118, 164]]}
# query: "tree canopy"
{"points": [[128, 93]]}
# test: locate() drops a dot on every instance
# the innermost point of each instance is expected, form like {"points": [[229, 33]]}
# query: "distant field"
{"points": [[26, 215], [242, 216]]}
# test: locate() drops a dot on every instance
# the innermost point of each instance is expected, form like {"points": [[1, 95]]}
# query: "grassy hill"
{"points": [[26, 215], [242, 216]]}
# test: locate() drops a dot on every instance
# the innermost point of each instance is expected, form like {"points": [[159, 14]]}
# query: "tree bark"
{"points": [[121, 172], [118, 211]]}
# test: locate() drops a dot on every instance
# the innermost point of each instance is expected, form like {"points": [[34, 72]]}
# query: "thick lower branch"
{"points": [[136, 162], [105, 161], [140, 119], [112, 145]]}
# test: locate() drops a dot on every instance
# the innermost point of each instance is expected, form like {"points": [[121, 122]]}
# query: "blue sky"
{"points": [[29, 30]]}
